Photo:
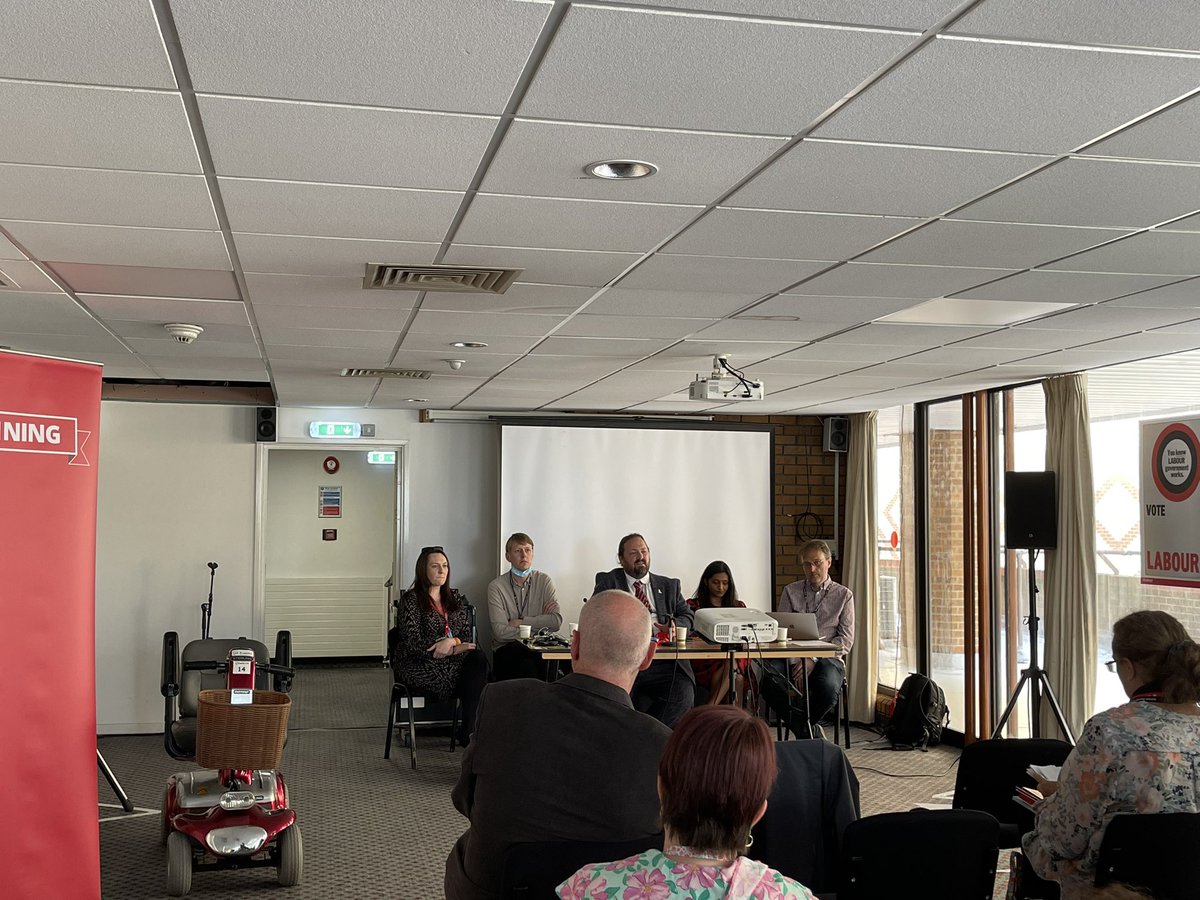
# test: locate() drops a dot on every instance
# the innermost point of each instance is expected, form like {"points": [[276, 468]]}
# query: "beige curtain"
{"points": [[1069, 597], [860, 564]]}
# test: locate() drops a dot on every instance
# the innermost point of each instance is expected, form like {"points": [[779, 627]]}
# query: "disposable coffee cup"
{"points": [[524, 632], [573, 626], [680, 634], [781, 634]]}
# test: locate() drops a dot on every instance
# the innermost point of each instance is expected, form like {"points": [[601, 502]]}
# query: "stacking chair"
{"points": [[841, 715], [1155, 852], [989, 772], [946, 854], [403, 692], [533, 870]]}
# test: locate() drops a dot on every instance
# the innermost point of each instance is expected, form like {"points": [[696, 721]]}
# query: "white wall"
{"points": [[177, 489]]}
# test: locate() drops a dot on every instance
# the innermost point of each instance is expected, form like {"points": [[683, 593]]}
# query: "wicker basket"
{"points": [[241, 737]]}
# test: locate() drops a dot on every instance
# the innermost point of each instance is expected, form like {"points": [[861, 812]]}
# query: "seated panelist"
{"points": [[521, 596], [716, 590]]}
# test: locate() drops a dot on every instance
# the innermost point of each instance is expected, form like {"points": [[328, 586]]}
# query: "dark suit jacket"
{"points": [[568, 761], [668, 604]]}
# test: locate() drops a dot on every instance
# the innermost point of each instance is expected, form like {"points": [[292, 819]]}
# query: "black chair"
{"points": [[947, 854], [408, 694], [813, 800], [534, 869], [1156, 852], [988, 775], [842, 714]]}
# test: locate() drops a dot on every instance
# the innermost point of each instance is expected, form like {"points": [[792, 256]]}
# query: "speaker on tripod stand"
{"points": [[1031, 523]]}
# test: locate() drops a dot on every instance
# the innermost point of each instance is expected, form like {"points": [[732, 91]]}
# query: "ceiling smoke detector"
{"points": [[185, 334]]}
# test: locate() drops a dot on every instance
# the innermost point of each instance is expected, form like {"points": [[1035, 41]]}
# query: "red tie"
{"points": [[640, 591]]}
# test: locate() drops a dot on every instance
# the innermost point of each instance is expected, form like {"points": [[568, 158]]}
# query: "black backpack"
{"points": [[920, 714]]}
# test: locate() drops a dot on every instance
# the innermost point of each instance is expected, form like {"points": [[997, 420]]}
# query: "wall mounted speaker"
{"points": [[265, 421], [837, 434], [1030, 511]]}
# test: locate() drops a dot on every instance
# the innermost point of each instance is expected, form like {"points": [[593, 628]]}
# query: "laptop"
{"points": [[800, 626]]}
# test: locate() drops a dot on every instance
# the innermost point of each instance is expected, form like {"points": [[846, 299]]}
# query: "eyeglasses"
{"points": [[1111, 665], [425, 550]]}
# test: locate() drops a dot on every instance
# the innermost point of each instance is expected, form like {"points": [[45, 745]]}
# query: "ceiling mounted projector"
{"points": [[725, 384]]}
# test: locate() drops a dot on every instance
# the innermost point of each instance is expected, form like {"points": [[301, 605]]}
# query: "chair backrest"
{"points": [[812, 801], [945, 854], [1154, 851], [214, 650], [989, 772], [534, 869]]}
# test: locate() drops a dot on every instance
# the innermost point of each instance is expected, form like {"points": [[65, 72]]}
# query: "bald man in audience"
{"points": [[568, 761]]}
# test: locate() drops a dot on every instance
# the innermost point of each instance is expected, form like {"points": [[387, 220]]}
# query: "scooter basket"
{"points": [[249, 736]]}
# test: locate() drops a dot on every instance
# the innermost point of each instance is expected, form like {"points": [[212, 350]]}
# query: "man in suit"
{"points": [[667, 689], [570, 761]]}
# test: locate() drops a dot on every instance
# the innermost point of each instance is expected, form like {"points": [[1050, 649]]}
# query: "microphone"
{"points": [[212, 565]]}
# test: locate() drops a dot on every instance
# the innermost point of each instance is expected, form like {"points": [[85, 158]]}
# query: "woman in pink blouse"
{"points": [[1142, 757]]}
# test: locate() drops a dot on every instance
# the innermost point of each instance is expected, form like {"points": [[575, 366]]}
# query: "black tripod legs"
{"points": [[126, 804]]}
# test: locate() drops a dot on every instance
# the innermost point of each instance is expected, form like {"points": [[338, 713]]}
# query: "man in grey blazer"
{"points": [[570, 761], [667, 689]]}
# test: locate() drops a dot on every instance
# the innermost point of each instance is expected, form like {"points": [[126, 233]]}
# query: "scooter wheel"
{"points": [[290, 857], [179, 864]]}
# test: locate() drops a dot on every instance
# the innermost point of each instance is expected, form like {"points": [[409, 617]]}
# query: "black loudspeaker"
{"points": [[1030, 511], [837, 434], [265, 423]]}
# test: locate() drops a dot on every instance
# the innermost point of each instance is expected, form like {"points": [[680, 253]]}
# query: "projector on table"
{"points": [[732, 626]]}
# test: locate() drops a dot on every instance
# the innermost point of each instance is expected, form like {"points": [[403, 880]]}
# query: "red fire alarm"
{"points": [[331, 464]]}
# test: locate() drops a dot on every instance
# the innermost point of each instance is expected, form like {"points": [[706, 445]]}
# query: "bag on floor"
{"points": [[920, 714]]}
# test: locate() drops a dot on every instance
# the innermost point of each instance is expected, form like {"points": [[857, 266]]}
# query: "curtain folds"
{"points": [[860, 564], [1069, 597]]}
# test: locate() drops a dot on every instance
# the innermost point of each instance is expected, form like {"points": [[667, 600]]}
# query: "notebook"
{"points": [[800, 626]]}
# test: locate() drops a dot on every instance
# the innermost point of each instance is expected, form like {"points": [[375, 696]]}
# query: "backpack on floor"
{"points": [[920, 714]]}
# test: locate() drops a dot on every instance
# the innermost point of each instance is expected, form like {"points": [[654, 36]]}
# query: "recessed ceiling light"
{"points": [[416, 400], [620, 168], [469, 345]]}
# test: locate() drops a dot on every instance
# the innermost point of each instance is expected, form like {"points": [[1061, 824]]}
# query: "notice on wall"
{"points": [[329, 501], [1170, 504]]}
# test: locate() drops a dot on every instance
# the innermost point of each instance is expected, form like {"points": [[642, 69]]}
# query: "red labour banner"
{"points": [[49, 422]]}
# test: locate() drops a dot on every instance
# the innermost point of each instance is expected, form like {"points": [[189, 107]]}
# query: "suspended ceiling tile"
{"points": [[1063, 287], [785, 235], [682, 304], [757, 330], [143, 130], [521, 297], [636, 67], [903, 335], [121, 246], [692, 167], [1114, 320], [1095, 192], [958, 355], [116, 42], [1181, 294], [847, 356], [797, 365], [485, 324], [462, 56], [914, 14], [25, 276], [342, 257], [200, 368], [348, 145], [961, 311], [477, 364], [280, 293], [163, 310], [37, 313], [986, 244], [148, 281], [1172, 26], [742, 353], [198, 355], [301, 358], [328, 337], [631, 326], [1173, 134], [1021, 337], [570, 367], [813, 176], [67, 345], [1154, 252], [355, 319], [631, 348], [955, 93], [677, 272], [97, 197], [441, 343], [326, 210], [541, 266], [895, 281], [830, 309]]}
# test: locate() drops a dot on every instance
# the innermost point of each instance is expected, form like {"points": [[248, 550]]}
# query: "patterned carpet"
{"points": [[374, 827]]}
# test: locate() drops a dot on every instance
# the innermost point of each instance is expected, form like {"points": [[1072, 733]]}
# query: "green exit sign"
{"points": [[334, 429], [381, 457]]}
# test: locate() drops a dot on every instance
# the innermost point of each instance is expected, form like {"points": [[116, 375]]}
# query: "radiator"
{"points": [[329, 616]]}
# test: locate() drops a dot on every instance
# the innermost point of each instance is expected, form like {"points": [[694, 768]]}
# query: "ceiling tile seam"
{"points": [[1136, 161], [113, 225], [337, 104], [650, 129], [1116, 49], [753, 18], [178, 62], [167, 173], [340, 184], [936, 148], [1182, 280], [123, 88], [872, 79]]}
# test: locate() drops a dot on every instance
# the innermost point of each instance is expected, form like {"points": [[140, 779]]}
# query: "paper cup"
{"points": [[524, 632], [781, 634], [573, 627], [681, 634]]}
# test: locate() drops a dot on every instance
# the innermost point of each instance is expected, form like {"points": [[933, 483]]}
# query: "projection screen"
{"points": [[696, 494]]}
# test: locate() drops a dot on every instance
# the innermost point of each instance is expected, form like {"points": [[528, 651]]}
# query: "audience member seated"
{"points": [[433, 650], [1143, 757], [716, 590], [713, 782], [519, 597], [568, 761], [667, 689]]}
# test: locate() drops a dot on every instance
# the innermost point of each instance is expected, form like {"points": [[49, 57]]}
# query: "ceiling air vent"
{"points": [[419, 374], [459, 279]]}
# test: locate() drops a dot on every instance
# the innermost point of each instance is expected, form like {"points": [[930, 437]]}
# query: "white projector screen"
{"points": [[696, 494]]}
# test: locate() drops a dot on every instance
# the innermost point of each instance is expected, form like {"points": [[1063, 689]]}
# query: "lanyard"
{"points": [[519, 593], [445, 617]]}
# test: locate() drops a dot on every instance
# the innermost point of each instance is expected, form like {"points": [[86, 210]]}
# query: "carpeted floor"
{"points": [[374, 827]]}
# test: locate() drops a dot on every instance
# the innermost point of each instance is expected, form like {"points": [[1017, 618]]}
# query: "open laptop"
{"points": [[800, 626]]}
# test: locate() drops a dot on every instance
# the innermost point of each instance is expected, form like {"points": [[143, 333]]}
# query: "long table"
{"points": [[697, 647]]}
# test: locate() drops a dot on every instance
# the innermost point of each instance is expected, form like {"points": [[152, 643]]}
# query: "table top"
{"points": [[698, 648]]}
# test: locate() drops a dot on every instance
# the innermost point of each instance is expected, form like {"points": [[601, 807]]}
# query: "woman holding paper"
{"points": [[1142, 757]]}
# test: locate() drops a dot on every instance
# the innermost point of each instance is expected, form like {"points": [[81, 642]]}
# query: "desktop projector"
{"points": [[732, 626], [723, 390]]}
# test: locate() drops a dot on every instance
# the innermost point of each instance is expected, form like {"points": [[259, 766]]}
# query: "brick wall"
{"points": [[945, 541]]}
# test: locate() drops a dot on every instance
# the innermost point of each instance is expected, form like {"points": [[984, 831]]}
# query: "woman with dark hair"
{"points": [[713, 780], [431, 647], [716, 589], [1143, 757]]}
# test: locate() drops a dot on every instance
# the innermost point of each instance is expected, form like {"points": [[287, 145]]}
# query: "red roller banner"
{"points": [[49, 431]]}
